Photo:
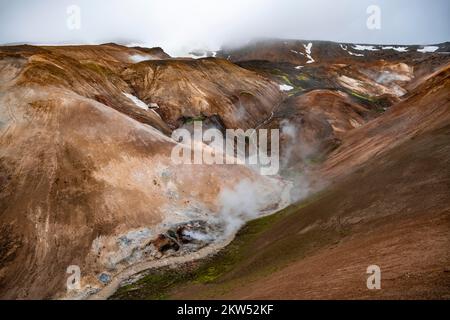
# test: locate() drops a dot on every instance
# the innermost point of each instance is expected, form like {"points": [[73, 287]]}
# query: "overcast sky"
{"points": [[179, 25]]}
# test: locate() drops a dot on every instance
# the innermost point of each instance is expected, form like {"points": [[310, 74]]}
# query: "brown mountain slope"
{"points": [[314, 123], [389, 205], [393, 213], [424, 109], [204, 87], [89, 71], [85, 176], [74, 171], [374, 75], [174, 90], [304, 52]]}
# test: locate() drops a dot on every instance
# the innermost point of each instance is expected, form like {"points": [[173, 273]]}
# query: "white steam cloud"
{"points": [[248, 200]]}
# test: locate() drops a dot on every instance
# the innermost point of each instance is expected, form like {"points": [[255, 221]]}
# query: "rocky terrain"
{"points": [[86, 176]]}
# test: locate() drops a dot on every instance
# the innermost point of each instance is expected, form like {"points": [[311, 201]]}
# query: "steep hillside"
{"points": [[86, 174], [206, 87], [390, 209], [424, 109], [321, 249], [377, 76]]}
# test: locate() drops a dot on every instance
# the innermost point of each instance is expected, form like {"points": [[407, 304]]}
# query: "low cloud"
{"points": [[182, 25]]}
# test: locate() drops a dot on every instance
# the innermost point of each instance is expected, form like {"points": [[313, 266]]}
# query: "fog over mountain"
{"points": [[179, 25]]}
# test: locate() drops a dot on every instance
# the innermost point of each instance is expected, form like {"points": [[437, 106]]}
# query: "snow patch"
{"points": [[355, 54], [308, 48], [344, 47], [401, 49], [362, 48], [285, 87], [142, 105], [398, 49], [137, 102], [296, 52], [373, 48], [428, 49]]}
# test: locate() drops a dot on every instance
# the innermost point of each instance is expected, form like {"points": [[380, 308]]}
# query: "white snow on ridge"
{"points": [[344, 47], [362, 48], [428, 49], [398, 49], [308, 52], [285, 87], [373, 48], [308, 47], [401, 49], [298, 67]]}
